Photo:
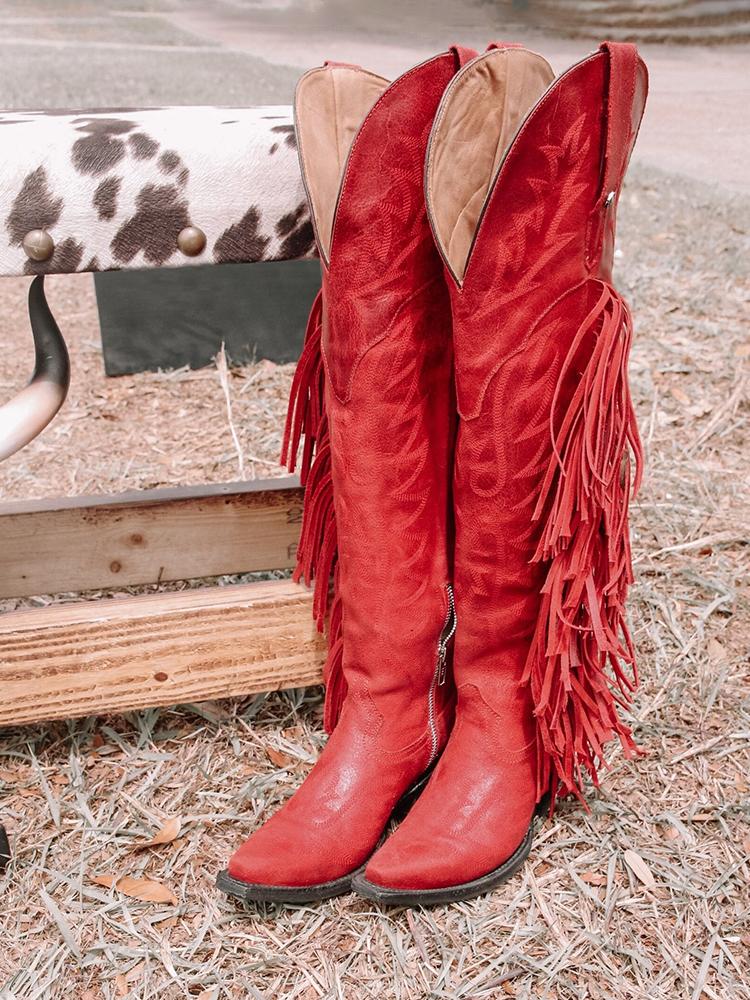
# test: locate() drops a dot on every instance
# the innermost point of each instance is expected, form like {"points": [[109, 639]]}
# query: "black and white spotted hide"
{"points": [[114, 188]]}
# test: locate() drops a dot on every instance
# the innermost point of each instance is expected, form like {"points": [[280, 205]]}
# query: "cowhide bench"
{"points": [[108, 190]]}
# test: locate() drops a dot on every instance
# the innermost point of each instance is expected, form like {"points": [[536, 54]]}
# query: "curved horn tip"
{"points": [[28, 413]]}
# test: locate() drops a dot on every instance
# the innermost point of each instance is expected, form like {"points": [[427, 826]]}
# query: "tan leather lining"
{"points": [[481, 114], [330, 105]]}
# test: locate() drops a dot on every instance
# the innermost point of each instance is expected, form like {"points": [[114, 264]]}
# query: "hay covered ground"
{"points": [[646, 896]]}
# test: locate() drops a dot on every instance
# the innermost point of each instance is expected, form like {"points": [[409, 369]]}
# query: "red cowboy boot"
{"points": [[542, 655], [373, 395]]}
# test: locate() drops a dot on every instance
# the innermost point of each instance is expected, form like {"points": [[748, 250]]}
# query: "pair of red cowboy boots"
{"points": [[468, 444]]}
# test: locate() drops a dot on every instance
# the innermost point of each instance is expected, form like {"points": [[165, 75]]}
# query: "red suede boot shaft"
{"points": [[543, 242], [389, 454], [388, 357], [379, 487], [547, 231]]}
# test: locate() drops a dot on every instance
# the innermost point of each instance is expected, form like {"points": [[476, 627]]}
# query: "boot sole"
{"points": [[257, 892], [453, 893]]}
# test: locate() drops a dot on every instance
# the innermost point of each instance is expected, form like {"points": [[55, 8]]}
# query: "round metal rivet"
{"points": [[191, 241], [38, 245]]}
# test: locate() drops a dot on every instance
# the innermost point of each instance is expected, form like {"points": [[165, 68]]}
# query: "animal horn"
{"points": [[27, 414]]}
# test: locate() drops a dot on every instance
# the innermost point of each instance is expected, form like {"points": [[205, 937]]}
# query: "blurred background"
{"points": [[84, 53]]}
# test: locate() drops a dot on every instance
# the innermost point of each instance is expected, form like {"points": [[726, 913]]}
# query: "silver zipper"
{"points": [[438, 678]]}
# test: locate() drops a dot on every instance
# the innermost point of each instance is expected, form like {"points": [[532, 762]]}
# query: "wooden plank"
{"points": [[114, 655], [87, 543]]}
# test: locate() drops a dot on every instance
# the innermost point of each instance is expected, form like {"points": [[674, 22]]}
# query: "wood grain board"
{"points": [[88, 543], [115, 655]]}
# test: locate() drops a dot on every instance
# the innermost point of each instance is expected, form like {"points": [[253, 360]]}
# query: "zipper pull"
{"points": [[442, 663], [449, 630]]}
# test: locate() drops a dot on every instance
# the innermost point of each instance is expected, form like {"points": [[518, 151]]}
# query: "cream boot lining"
{"points": [[330, 105], [481, 114]]}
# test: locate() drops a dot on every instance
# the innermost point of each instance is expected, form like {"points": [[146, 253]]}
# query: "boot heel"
{"points": [[411, 794], [542, 807]]}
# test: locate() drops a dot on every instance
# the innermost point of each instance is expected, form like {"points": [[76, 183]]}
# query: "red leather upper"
{"points": [[388, 358], [523, 297], [544, 238], [391, 414]]}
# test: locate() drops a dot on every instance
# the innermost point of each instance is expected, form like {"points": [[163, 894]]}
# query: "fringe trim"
{"points": [[307, 396], [581, 629], [317, 551], [333, 672]]}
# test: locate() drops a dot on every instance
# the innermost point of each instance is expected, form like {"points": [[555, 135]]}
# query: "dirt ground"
{"points": [[646, 896], [145, 430]]}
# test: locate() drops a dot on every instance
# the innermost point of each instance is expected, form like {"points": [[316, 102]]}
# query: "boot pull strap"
{"points": [[462, 55], [503, 45], [623, 69]]}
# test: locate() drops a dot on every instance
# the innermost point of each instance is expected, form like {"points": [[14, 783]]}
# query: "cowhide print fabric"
{"points": [[114, 188]]}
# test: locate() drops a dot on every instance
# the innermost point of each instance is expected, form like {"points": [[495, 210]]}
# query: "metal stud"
{"points": [[191, 241], [609, 199], [38, 245]]}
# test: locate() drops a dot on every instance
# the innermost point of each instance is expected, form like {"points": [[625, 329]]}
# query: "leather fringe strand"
{"points": [[318, 545], [581, 665]]}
